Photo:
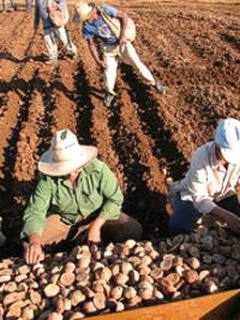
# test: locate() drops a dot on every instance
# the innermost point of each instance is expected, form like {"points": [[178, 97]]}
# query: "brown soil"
{"points": [[192, 47]]}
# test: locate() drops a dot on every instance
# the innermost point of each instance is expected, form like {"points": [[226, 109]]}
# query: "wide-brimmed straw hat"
{"points": [[65, 155], [228, 139], [84, 9]]}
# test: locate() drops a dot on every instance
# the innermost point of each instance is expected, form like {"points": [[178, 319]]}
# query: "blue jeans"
{"points": [[4, 4], [185, 216]]}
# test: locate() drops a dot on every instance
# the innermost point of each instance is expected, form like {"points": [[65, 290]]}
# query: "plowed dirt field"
{"points": [[193, 48]]}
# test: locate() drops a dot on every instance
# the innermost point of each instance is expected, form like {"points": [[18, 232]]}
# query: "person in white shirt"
{"points": [[211, 182]]}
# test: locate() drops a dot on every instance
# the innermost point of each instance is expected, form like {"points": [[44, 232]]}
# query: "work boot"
{"points": [[108, 99], [72, 55], [51, 61], [161, 89]]}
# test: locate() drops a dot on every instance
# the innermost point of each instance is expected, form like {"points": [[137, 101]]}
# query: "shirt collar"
{"points": [[67, 182], [214, 161]]}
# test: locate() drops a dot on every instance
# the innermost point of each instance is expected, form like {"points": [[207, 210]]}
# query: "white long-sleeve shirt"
{"points": [[207, 181]]}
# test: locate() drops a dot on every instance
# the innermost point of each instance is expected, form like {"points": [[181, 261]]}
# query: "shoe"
{"points": [[73, 55], [51, 61], [108, 99], [161, 89]]}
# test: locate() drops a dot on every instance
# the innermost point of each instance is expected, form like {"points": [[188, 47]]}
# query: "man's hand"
{"points": [[233, 223], [94, 230], [122, 42], [230, 218], [33, 250], [102, 64]]}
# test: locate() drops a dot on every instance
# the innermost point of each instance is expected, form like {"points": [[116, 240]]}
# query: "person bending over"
{"points": [[112, 48], [211, 182], [76, 193]]}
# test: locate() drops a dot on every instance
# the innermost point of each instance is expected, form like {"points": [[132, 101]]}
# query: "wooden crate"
{"points": [[220, 306]]}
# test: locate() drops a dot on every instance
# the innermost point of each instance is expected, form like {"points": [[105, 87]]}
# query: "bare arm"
{"points": [[94, 52], [123, 17]]}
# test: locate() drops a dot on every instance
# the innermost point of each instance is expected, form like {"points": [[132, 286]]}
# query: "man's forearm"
{"points": [[221, 214], [99, 222], [94, 52], [124, 21]]}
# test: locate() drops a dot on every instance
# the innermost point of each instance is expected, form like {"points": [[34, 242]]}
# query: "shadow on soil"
{"points": [[85, 107], [15, 193], [154, 126], [145, 205]]}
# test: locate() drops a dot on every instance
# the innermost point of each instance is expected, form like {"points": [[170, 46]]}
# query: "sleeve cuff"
{"points": [[29, 230], [109, 216], [206, 206]]}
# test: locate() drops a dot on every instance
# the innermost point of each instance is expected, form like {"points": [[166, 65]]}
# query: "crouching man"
{"points": [[210, 184], [52, 32], [76, 193], [107, 48]]}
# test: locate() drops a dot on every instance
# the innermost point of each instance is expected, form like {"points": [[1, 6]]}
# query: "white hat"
{"points": [[83, 9], [228, 139], [65, 155]]}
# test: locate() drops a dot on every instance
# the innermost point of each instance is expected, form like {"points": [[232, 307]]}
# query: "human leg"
{"points": [[184, 216], [55, 230], [63, 36], [51, 43], [129, 55], [122, 229], [28, 5], [13, 5], [110, 72], [4, 5]]}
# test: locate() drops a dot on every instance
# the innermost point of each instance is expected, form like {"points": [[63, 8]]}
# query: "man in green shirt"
{"points": [[76, 193]]}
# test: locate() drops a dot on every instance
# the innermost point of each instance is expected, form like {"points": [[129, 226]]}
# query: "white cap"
{"points": [[228, 139]]}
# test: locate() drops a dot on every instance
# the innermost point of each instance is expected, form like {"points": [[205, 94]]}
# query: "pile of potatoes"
{"points": [[94, 280]]}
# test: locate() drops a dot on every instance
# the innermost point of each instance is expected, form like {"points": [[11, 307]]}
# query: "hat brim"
{"points": [[84, 17], [231, 156], [49, 166]]}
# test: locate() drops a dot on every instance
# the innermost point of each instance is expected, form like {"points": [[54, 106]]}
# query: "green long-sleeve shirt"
{"points": [[97, 187]]}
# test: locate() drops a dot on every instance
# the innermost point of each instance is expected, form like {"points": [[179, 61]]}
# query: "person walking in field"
{"points": [[54, 16], [210, 185], [110, 27], [76, 193], [12, 8]]}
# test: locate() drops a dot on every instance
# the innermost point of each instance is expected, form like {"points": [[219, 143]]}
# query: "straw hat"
{"points": [[83, 9], [228, 139], [65, 155]]}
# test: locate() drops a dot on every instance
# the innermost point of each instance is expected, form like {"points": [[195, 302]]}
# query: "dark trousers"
{"points": [[185, 216]]}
